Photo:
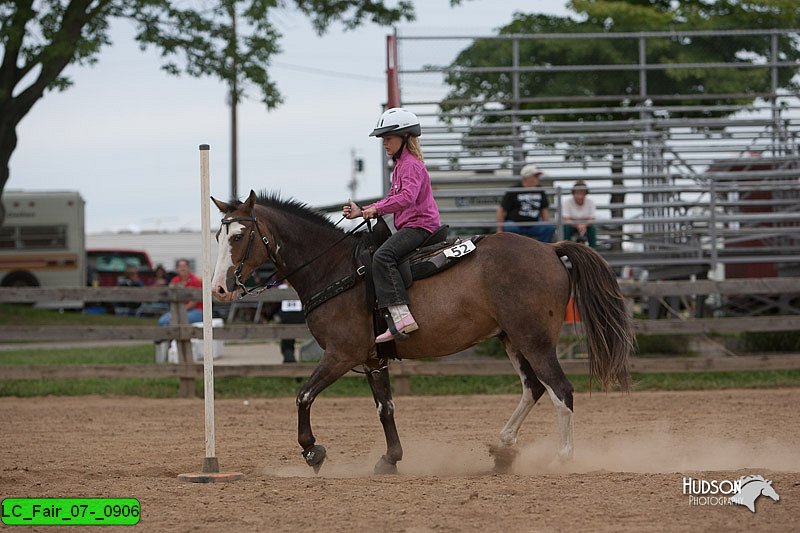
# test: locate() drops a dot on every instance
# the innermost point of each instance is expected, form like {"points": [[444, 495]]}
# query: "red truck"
{"points": [[106, 267]]}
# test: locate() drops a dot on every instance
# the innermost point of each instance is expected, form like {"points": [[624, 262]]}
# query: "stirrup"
{"points": [[398, 330]]}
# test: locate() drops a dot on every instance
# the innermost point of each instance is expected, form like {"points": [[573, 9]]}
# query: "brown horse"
{"points": [[511, 287]]}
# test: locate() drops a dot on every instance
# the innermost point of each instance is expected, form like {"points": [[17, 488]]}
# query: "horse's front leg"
{"points": [[382, 393], [328, 370]]}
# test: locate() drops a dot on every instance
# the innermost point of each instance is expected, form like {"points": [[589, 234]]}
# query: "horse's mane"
{"points": [[294, 207], [747, 479]]}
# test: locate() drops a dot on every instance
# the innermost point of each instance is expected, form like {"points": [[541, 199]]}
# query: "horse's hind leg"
{"points": [[382, 393], [545, 364], [327, 371], [532, 390]]}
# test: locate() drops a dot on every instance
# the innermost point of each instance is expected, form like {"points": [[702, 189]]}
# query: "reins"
{"points": [[270, 283]]}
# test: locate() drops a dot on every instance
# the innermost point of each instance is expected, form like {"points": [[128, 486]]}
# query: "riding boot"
{"points": [[403, 323]]}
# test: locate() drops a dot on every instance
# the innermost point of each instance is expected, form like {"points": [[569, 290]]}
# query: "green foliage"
{"points": [[194, 38], [772, 341], [40, 39], [597, 16]]}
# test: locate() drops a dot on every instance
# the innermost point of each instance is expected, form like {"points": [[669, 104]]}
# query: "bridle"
{"points": [[238, 271], [270, 283]]}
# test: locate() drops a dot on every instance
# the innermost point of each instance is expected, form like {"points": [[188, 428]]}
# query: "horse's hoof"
{"points": [[384, 467], [315, 456], [566, 456], [503, 457]]}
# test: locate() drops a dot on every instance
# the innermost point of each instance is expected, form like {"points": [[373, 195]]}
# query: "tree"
{"points": [[598, 16], [41, 37]]}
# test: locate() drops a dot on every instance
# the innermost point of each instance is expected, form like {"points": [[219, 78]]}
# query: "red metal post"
{"points": [[393, 94]]}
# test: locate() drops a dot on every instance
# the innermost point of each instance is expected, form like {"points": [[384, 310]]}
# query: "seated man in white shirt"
{"points": [[578, 213]]}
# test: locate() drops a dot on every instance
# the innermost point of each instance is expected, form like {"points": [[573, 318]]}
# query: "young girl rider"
{"points": [[416, 215]]}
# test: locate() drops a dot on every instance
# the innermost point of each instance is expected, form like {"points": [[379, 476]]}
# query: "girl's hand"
{"points": [[351, 210], [370, 212]]}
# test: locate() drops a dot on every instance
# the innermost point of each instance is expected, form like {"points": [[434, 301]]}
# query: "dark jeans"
{"points": [[287, 345], [389, 288], [540, 233]]}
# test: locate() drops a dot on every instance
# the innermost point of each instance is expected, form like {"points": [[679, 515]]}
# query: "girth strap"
{"points": [[365, 258]]}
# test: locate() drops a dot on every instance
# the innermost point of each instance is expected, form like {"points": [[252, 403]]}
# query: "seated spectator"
{"points": [[185, 278], [526, 206], [131, 278], [578, 213], [160, 276]]}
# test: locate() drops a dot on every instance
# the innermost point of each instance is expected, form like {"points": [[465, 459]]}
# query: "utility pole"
{"points": [[234, 100]]}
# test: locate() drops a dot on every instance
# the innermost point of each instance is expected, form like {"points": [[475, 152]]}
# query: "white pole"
{"points": [[210, 472], [208, 331]]}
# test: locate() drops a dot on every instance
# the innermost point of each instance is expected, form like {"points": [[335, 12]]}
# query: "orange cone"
{"points": [[572, 312]]}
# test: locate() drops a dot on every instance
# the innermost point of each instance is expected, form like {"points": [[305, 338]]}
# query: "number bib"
{"points": [[459, 250], [288, 306]]}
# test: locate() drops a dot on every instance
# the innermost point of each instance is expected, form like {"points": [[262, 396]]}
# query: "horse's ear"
{"points": [[222, 206], [248, 204]]}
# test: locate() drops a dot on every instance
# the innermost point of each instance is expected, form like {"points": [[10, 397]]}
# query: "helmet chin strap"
{"points": [[398, 153]]}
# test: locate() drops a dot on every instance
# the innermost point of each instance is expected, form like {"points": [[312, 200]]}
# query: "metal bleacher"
{"points": [[682, 189]]}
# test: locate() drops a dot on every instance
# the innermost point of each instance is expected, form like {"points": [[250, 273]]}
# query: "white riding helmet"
{"points": [[397, 121]]}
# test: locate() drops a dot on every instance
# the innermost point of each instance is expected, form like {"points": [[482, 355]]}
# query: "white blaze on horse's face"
{"points": [[223, 271]]}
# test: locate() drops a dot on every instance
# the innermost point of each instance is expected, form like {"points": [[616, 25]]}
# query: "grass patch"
{"points": [[139, 354], [234, 387], [146, 388], [25, 315], [424, 385], [262, 387], [765, 379]]}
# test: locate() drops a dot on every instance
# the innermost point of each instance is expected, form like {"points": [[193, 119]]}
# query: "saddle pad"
{"points": [[434, 259]]}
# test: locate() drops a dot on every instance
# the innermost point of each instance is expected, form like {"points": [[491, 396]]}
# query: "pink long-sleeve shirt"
{"points": [[410, 197]]}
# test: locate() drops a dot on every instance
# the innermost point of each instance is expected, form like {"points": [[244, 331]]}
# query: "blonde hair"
{"points": [[413, 146]]}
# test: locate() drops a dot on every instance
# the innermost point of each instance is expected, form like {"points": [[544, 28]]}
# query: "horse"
{"points": [[511, 287], [751, 488]]}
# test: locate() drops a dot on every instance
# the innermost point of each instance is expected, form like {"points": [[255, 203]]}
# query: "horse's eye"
{"points": [[238, 237]]}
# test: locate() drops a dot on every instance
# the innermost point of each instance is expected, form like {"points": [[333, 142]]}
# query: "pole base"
{"points": [[210, 473], [210, 465]]}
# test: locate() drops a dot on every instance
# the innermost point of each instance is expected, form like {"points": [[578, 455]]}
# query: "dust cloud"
{"points": [[661, 452]]}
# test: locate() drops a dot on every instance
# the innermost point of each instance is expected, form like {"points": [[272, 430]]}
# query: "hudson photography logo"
{"points": [[743, 491]]}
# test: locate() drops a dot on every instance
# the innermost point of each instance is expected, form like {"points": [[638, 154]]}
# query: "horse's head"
{"points": [[241, 247], [769, 491]]}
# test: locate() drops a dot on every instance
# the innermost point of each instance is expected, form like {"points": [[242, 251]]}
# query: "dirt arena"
{"points": [[632, 453]]}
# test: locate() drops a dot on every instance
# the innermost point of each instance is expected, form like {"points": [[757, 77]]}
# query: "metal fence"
{"points": [[684, 183]]}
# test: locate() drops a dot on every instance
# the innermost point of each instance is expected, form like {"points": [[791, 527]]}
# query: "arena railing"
{"points": [[188, 371]]}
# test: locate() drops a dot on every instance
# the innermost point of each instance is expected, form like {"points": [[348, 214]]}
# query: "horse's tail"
{"points": [[602, 309]]}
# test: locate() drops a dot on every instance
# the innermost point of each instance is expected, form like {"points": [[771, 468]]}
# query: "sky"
{"points": [[126, 135]]}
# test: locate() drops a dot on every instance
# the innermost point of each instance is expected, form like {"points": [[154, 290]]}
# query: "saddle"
{"points": [[436, 254]]}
